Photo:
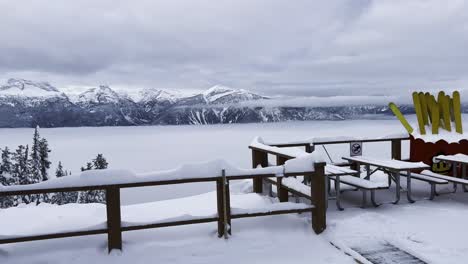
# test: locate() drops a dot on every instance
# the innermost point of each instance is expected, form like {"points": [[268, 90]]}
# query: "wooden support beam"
{"points": [[283, 195], [220, 205], [319, 198], [259, 158], [114, 232], [309, 148], [396, 149]]}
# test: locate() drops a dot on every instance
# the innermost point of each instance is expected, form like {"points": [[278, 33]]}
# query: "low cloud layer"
{"points": [[320, 48]]}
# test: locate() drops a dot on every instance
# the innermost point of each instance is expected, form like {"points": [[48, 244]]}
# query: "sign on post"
{"points": [[355, 148]]}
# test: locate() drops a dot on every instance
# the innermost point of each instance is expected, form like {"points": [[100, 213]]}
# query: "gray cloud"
{"points": [[272, 46]]}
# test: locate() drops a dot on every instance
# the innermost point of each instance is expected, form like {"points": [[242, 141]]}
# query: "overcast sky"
{"points": [[299, 47]]}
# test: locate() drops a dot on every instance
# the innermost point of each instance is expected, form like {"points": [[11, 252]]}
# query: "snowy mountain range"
{"points": [[24, 103]]}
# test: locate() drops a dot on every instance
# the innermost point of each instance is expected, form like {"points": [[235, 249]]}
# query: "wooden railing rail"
{"points": [[115, 228]]}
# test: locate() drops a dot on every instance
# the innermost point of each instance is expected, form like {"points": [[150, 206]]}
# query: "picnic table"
{"points": [[456, 159], [393, 168]]}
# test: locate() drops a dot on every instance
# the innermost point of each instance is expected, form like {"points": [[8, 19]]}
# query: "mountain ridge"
{"points": [[40, 103]]}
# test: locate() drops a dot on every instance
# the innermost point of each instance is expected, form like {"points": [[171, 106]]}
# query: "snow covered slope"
{"points": [[220, 94], [29, 89]]}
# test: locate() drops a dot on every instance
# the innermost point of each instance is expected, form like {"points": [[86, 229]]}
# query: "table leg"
{"points": [[408, 187], [454, 174], [338, 192], [367, 172], [464, 176], [374, 203], [364, 198], [397, 186]]}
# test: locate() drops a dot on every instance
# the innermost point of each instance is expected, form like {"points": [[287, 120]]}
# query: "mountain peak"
{"points": [[224, 94], [170, 96], [101, 94], [28, 88]]}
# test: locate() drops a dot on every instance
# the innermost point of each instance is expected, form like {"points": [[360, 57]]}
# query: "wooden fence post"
{"points": [[283, 194], [396, 149], [224, 206], [114, 232], [220, 204], [319, 198], [259, 158], [309, 148]]}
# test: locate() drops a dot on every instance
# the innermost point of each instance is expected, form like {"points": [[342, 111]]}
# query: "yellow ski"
{"points": [[417, 108], [457, 112], [400, 117], [446, 113], [435, 117], [422, 101]]}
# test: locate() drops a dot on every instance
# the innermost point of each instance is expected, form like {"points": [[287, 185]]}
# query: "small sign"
{"points": [[355, 149]]}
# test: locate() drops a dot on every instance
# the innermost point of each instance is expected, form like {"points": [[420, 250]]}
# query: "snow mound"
{"points": [[111, 175]]}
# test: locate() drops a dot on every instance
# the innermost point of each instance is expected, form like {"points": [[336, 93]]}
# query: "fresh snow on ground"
{"points": [[430, 230], [154, 148]]}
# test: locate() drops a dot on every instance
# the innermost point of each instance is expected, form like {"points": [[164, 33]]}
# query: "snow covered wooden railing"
{"points": [[309, 145], [218, 171]]}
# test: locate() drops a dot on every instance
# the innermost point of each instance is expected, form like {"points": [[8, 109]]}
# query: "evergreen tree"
{"points": [[59, 172], [20, 172], [100, 162], [63, 197], [89, 166], [34, 161], [95, 196], [6, 166], [44, 163], [6, 178]]}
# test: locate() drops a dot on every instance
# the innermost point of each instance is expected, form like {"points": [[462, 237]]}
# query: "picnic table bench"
{"points": [[340, 175], [456, 159], [394, 168]]}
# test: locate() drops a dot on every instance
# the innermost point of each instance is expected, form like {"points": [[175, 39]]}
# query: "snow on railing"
{"points": [[206, 170], [218, 171]]}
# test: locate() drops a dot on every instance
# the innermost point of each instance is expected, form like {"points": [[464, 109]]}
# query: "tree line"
{"points": [[27, 165]]}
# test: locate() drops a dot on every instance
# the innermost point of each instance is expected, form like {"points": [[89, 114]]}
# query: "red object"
{"points": [[426, 151]]}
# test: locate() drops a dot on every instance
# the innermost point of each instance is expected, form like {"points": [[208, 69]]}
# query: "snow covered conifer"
{"points": [[100, 162], [34, 162], [44, 163], [6, 165], [59, 172], [95, 196], [63, 197]]}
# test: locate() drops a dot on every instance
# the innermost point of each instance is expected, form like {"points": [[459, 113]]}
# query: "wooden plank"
{"points": [[422, 101], [396, 149], [377, 163], [258, 158], [169, 224], [220, 206], [105, 186], [114, 234], [52, 236], [419, 114], [457, 112], [319, 198], [283, 195], [329, 142], [400, 117], [273, 212], [435, 113], [227, 208], [446, 112]]}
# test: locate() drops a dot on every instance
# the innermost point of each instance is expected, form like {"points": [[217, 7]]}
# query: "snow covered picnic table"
{"points": [[454, 160], [393, 168]]}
